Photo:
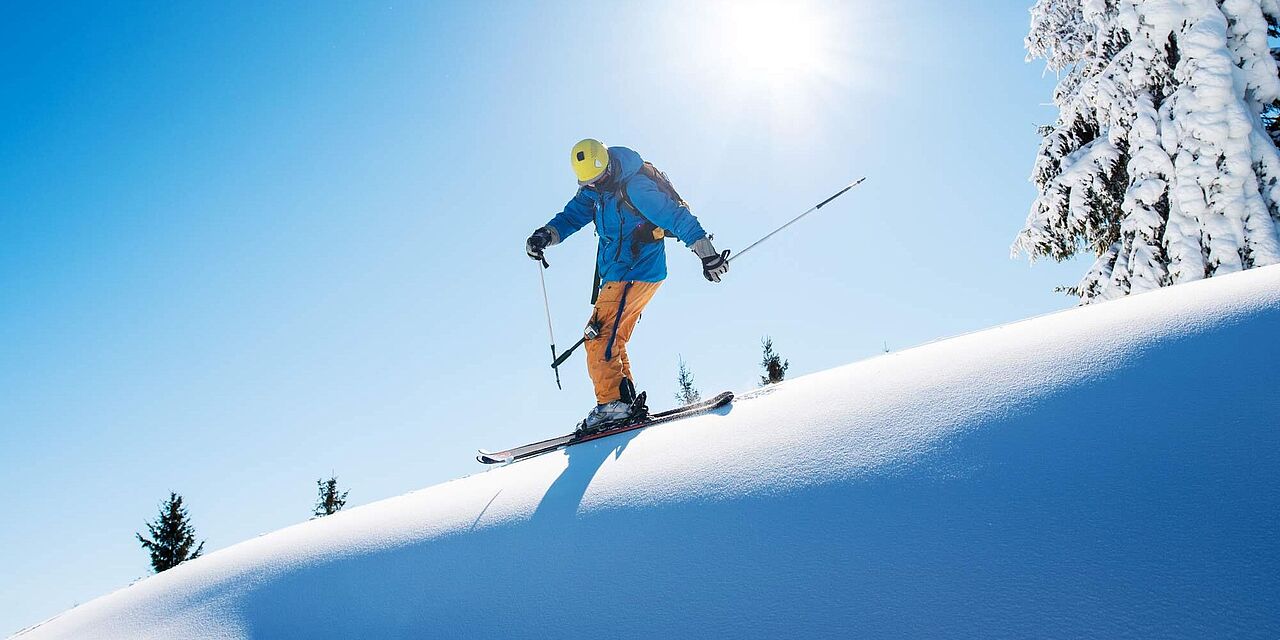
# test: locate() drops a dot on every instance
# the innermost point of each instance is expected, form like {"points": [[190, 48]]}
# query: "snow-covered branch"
{"points": [[1162, 160]]}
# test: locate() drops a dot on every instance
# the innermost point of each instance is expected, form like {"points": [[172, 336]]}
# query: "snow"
{"points": [[1164, 99], [1108, 471]]}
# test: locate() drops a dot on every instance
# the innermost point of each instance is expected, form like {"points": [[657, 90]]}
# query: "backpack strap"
{"points": [[651, 232]]}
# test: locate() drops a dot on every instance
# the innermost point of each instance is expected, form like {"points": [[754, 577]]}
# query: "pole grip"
{"points": [[841, 192], [553, 357], [557, 361]]}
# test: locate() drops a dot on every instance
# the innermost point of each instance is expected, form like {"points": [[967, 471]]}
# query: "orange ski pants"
{"points": [[617, 311]]}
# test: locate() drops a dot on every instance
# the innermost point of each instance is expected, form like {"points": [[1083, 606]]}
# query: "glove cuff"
{"points": [[555, 235], [703, 247]]}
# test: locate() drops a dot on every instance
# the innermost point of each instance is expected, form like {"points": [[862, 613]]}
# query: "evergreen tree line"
{"points": [[171, 538], [773, 366]]}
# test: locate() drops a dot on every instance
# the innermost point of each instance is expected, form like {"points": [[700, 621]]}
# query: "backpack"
{"points": [[647, 232], [651, 232]]}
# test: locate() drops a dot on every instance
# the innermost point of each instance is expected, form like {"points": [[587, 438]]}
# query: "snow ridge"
{"points": [[1108, 471]]}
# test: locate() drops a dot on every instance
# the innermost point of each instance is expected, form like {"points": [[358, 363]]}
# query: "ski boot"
{"points": [[628, 409]]}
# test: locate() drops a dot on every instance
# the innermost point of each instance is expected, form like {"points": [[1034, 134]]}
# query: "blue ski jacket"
{"points": [[622, 256]]}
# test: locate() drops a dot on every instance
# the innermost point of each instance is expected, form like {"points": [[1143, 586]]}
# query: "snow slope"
{"points": [[1108, 471]]}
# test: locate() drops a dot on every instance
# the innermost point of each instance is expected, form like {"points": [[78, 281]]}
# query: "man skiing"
{"points": [[633, 207]]}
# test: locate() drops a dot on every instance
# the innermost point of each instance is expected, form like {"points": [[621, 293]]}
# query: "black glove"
{"points": [[714, 263], [541, 239], [713, 267]]}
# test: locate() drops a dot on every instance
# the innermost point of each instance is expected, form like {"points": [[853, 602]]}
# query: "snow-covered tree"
{"points": [[1163, 160], [330, 500], [775, 368], [686, 393], [172, 536]]}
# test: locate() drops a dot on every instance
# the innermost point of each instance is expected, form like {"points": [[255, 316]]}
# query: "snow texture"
{"points": [[1160, 162], [1110, 471]]}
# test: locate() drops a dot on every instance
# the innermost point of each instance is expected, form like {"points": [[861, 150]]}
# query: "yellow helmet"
{"points": [[590, 159]]}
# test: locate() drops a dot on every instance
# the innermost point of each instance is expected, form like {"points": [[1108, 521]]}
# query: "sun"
{"points": [[781, 63], [773, 40]]}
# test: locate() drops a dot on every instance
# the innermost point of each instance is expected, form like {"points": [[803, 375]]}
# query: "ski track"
{"points": [[1106, 471]]}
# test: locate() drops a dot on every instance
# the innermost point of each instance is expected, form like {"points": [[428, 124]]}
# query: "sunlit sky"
{"points": [[246, 247]]}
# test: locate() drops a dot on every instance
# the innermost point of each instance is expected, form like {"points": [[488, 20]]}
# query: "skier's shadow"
{"points": [[563, 497]]}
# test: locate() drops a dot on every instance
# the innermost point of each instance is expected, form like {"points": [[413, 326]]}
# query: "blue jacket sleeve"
{"points": [[577, 213], [661, 210]]}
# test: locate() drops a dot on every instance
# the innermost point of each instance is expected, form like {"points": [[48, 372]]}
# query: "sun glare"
{"points": [[773, 39], [783, 62]]}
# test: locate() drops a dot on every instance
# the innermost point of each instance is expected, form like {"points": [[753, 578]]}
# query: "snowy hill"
{"points": [[1108, 471]]}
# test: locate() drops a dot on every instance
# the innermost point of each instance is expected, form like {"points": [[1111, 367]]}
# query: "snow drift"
{"points": [[1108, 471]]}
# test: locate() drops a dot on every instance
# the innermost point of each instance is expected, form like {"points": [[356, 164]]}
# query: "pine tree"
{"points": [[775, 368], [330, 500], [172, 536], [1271, 114], [688, 394], [1163, 161]]}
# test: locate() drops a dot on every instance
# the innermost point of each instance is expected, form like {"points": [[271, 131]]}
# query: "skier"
{"points": [[634, 207]]}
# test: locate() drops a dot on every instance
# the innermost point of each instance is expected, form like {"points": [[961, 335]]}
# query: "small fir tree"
{"points": [[330, 500], [172, 536], [688, 394], [775, 368]]}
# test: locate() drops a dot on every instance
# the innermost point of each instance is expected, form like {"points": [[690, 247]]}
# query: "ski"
{"points": [[552, 444]]}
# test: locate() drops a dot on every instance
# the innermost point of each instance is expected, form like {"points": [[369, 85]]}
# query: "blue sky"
{"points": [[245, 247]]}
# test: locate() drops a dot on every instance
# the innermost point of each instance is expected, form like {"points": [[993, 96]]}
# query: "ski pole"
{"points": [[814, 208], [547, 306], [556, 361], [568, 352], [592, 330]]}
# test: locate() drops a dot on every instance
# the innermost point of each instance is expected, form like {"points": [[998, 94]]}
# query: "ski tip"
{"points": [[484, 457]]}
